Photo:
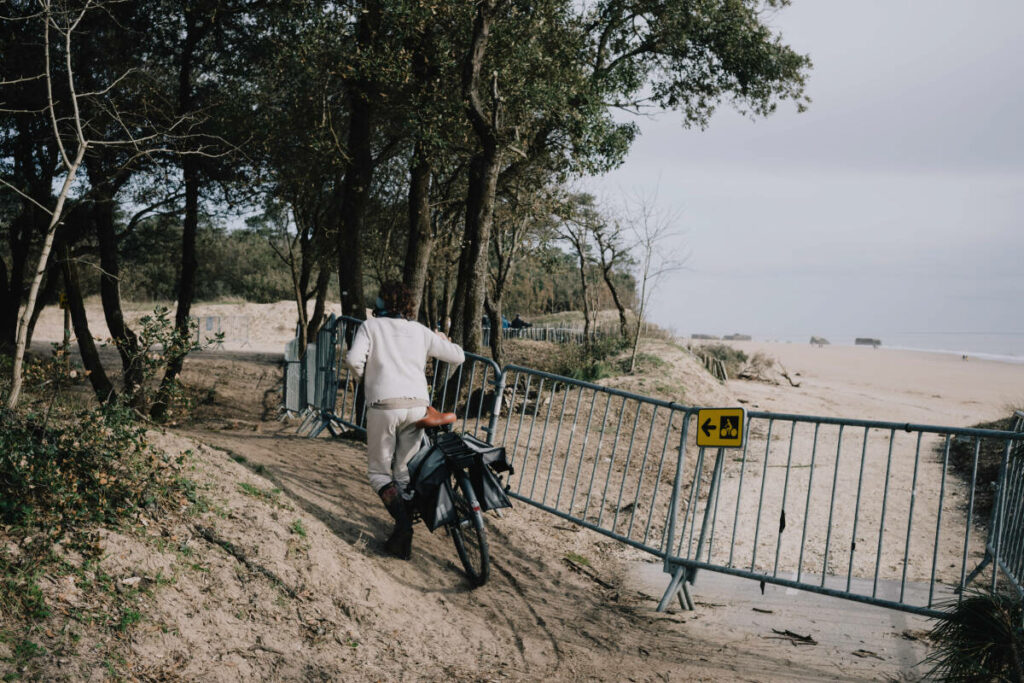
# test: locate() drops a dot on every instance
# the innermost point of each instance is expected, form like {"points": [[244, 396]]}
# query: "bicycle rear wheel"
{"points": [[468, 532]]}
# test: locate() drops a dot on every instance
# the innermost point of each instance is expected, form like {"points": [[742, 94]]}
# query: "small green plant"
{"points": [[980, 638], [297, 528], [266, 495], [129, 617], [648, 361], [578, 559]]}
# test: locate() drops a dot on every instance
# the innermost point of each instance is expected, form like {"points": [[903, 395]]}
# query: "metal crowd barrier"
{"points": [[836, 507], [294, 396], [827, 505], [600, 457], [1005, 547], [557, 335], [234, 330]]}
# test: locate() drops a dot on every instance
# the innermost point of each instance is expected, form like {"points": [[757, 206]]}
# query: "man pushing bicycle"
{"points": [[389, 353]]}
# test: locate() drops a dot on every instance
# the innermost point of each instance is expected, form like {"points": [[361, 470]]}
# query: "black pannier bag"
{"points": [[490, 455], [488, 488], [432, 487], [432, 483]]}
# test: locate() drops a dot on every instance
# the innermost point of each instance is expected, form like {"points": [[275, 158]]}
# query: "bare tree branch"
{"points": [[25, 196]]}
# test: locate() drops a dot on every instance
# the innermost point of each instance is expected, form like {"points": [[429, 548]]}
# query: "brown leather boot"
{"points": [[399, 543]]}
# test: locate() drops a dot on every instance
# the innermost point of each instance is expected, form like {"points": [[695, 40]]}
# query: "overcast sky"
{"points": [[893, 207]]}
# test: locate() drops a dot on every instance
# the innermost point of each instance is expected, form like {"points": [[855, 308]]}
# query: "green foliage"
{"points": [[232, 264], [979, 638], [57, 479], [649, 361], [590, 362], [297, 528], [578, 559], [733, 358], [58, 482], [990, 461], [266, 495], [159, 344], [129, 617], [547, 281]]}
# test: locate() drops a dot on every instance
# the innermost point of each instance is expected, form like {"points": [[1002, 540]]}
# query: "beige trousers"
{"points": [[391, 440]]}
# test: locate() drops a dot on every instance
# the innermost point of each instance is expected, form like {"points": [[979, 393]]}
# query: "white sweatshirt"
{"points": [[392, 355]]}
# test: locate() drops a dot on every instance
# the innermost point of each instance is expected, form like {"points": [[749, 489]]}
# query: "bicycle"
{"points": [[454, 483]]}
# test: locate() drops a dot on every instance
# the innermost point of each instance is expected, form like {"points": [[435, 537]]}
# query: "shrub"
{"points": [[54, 479], [979, 639], [590, 362], [990, 461], [59, 482], [734, 359]]}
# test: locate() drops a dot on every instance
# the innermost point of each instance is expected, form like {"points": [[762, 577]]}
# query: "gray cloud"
{"points": [[894, 206]]}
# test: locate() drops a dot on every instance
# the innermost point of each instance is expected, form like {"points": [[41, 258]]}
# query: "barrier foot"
{"points": [[974, 574], [677, 587], [685, 599], [319, 428]]}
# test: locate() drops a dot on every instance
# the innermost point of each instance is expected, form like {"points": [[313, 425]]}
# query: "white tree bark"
{"points": [[71, 167]]}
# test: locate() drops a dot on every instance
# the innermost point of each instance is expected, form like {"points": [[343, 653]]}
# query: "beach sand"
{"points": [[885, 384]]}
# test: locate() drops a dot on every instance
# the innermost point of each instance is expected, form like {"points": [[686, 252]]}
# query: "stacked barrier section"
{"points": [[1006, 547]]}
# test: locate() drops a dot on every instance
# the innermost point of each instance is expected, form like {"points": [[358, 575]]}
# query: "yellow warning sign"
{"points": [[722, 427]]}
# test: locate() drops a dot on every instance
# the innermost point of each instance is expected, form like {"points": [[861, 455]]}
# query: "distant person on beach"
{"points": [[518, 323], [389, 353]]}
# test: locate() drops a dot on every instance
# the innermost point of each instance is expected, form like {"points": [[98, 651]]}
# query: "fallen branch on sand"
{"points": [[586, 571], [232, 550], [794, 638]]}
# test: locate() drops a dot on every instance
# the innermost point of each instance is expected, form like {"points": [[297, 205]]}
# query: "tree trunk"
{"points": [[126, 341], [299, 297], [445, 307], [101, 385], [429, 303], [493, 306], [190, 224], [186, 291], [13, 281], [483, 177], [421, 240], [316, 320], [583, 285], [19, 351], [358, 177], [483, 180], [623, 326]]}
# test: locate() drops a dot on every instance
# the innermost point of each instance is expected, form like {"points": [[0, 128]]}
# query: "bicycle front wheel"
{"points": [[468, 532]]}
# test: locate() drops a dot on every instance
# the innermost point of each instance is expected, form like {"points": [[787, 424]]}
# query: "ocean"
{"points": [[1002, 346]]}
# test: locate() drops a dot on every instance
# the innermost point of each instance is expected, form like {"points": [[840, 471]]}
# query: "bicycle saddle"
{"points": [[434, 418]]}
